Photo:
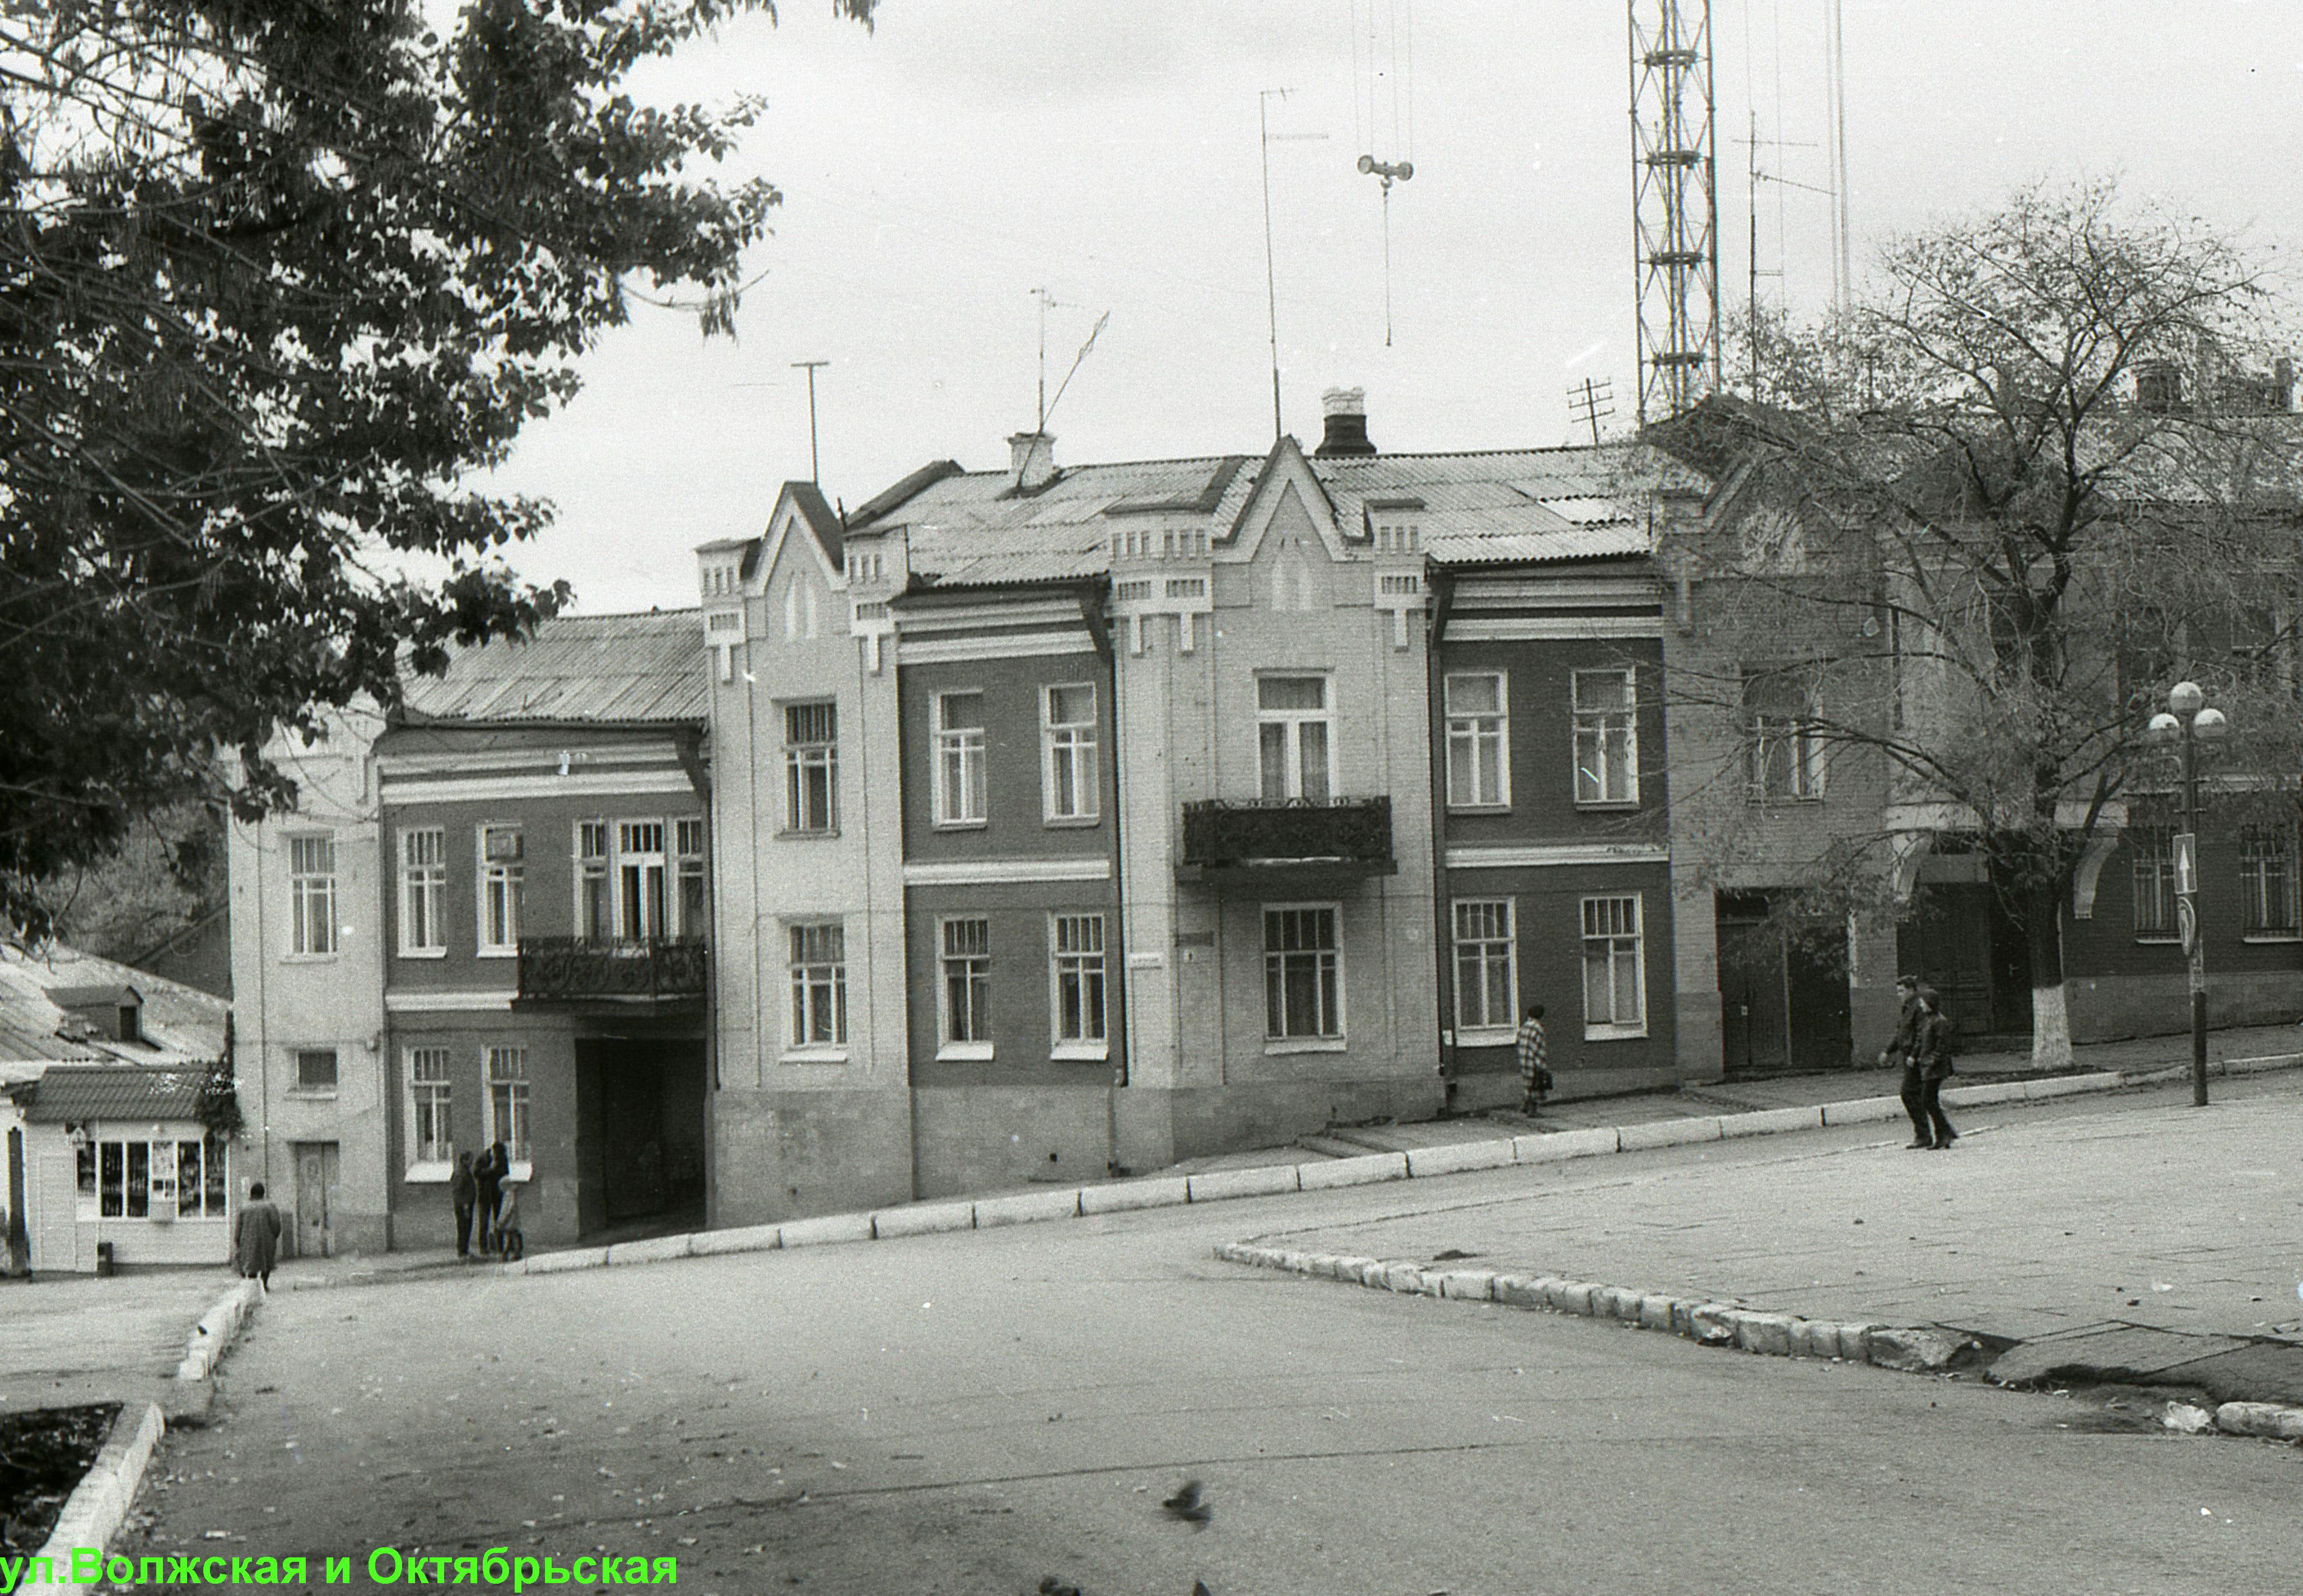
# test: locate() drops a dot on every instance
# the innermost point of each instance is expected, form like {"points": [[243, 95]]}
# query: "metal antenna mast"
{"points": [[1674, 205], [814, 470]]}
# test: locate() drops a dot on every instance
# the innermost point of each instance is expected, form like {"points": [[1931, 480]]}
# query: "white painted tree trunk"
{"points": [[2051, 1028]]}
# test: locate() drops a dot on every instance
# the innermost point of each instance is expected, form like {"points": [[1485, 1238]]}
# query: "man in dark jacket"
{"points": [[1931, 1059], [1902, 1051], [464, 1191], [488, 1175]]}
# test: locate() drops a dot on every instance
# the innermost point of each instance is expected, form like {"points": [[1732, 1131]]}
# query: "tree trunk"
{"points": [[2051, 1020]]}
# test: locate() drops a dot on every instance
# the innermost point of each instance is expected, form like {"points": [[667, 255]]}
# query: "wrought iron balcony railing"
{"points": [[565, 969], [1237, 835]]}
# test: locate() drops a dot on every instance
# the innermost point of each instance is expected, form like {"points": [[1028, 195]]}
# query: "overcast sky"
{"points": [[937, 171]]}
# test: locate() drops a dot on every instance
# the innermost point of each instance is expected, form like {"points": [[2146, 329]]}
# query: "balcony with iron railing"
{"points": [[659, 973], [1258, 837]]}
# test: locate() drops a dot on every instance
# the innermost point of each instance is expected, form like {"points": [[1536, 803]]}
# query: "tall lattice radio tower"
{"points": [[1674, 205]]}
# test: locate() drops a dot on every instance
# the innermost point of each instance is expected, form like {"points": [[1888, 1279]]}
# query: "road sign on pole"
{"points": [[2186, 869], [2187, 921]]}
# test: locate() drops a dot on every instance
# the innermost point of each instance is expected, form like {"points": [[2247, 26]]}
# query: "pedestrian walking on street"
{"points": [[1902, 1052], [1932, 1064], [495, 1164], [1534, 1079], [256, 1237], [464, 1191]]}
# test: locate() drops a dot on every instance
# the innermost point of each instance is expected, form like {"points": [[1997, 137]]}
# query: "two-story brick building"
{"points": [[1092, 817], [542, 812]]}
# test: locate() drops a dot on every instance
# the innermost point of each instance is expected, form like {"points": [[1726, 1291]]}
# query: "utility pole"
{"points": [[814, 470]]}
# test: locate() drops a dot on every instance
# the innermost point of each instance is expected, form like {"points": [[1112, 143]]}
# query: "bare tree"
{"points": [[1966, 534]]}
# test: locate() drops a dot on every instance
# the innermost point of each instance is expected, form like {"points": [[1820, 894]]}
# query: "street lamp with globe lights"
{"points": [[2188, 722]]}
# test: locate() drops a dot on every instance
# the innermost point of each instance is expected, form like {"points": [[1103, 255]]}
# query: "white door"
{"points": [[55, 1215]]}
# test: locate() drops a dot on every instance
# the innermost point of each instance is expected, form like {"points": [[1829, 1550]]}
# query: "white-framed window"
{"points": [[1486, 968], [312, 894], [1786, 737], [1606, 736], [1068, 752], [2266, 880], [595, 890], [2152, 851], [1075, 986], [423, 892], [504, 888], [150, 1179], [695, 905], [818, 984], [639, 881], [1614, 966], [960, 798], [315, 1071], [811, 769], [1303, 973], [507, 1107], [963, 959], [431, 1119], [1294, 755], [1479, 741]]}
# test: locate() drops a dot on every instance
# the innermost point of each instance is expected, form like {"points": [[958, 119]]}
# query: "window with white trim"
{"points": [[596, 891], [695, 904], [1615, 986], [504, 888], [810, 768], [639, 881], [964, 1015], [960, 798], [1068, 752], [1303, 974], [423, 892], [1487, 965], [507, 1102], [2266, 880], [1786, 737], [312, 893], [1076, 984], [1479, 741], [1607, 738], [1294, 753], [818, 984], [430, 1122]]}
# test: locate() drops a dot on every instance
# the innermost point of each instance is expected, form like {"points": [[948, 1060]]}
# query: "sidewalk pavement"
{"points": [[2135, 1239], [69, 1339]]}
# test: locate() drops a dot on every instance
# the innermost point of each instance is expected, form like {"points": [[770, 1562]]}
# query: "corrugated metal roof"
{"points": [[178, 1022], [969, 529], [628, 669], [79, 1092]]}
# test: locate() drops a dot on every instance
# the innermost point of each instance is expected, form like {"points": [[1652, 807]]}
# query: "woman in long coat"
{"points": [[256, 1237]]}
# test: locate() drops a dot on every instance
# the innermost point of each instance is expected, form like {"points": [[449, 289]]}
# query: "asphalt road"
{"points": [[974, 1413]]}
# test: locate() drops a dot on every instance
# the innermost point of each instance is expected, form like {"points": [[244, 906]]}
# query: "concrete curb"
{"points": [[1265, 1180], [213, 1336], [1923, 1349], [92, 1514], [1910, 1349]]}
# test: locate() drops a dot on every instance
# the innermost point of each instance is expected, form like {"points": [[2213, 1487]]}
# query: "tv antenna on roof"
{"points": [[814, 470], [1271, 279], [1048, 301], [1591, 401]]}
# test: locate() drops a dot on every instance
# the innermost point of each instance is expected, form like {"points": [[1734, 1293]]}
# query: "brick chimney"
{"points": [[1346, 409], [1030, 462]]}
